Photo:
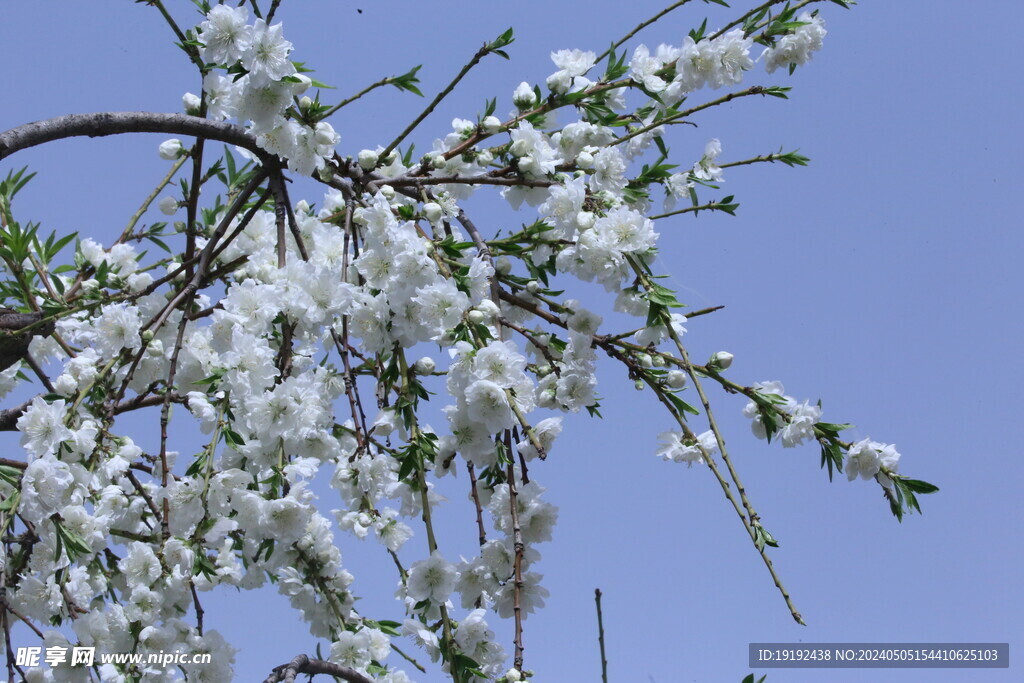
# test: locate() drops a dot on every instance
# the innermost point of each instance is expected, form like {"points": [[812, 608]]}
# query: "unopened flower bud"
{"points": [[513, 676], [190, 102], [675, 379], [639, 385], [387, 191], [305, 103], [532, 286], [302, 207], [439, 162], [484, 157], [303, 84], [491, 124], [432, 211], [658, 361], [644, 360], [557, 82], [524, 97], [721, 360], [488, 308], [168, 205], [424, 366], [544, 370], [585, 219], [503, 266], [147, 336], [325, 134], [368, 159], [171, 149], [585, 160], [475, 317]]}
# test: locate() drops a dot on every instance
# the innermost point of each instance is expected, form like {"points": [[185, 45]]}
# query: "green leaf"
{"points": [[831, 456], [198, 465], [777, 91], [617, 66], [762, 537], [662, 296], [408, 81], [233, 438], [793, 159], [72, 543], [10, 504], [12, 475], [158, 242], [832, 428], [660, 144], [501, 41], [918, 486], [680, 405], [698, 34], [727, 205]]}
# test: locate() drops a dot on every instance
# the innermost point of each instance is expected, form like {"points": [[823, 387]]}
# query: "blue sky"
{"points": [[882, 279]]}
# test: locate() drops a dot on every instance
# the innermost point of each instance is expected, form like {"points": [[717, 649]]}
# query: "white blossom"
{"points": [[431, 579], [225, 34], [42, 426]]}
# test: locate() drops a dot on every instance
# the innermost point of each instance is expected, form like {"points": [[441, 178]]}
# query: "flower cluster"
{"points": [[673, 72], [794, 49], [867, 458], [264, 91], [794, 421]]}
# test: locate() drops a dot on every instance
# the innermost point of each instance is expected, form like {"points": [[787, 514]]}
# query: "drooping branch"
{"points": [[302, 664], [101, 124]]}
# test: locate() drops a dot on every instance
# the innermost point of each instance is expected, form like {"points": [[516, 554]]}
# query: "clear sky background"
{"points": [[883, 279]]}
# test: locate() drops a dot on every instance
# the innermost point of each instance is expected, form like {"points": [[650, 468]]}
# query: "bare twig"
{"points": [[480, 54], [519, 547], [641, 26], [600, 636]]}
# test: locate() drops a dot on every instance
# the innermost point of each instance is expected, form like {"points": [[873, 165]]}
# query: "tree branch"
{"points": [[102, 124], [302, 664]]}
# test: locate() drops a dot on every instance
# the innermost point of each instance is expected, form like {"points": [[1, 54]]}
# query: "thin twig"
{"points": [[641, 26], [350, 100], [519, 547], [600, 636], [480, 54], [481, 531], [753, 90]]}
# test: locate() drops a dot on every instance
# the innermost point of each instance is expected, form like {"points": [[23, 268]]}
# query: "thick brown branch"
{"points": [[114, 123], [304, 665], [14, 346], [9, 417]]}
